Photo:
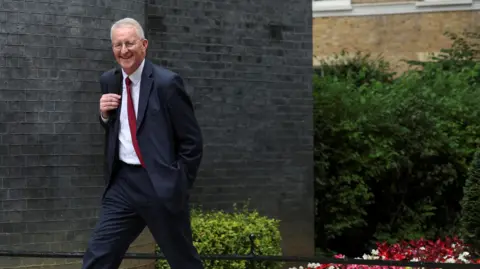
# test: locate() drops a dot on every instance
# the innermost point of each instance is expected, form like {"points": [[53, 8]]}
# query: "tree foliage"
{"points": [[392, 154]]}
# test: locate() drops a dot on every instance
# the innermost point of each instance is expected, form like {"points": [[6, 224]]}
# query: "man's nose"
{"points": [[123, 49]]}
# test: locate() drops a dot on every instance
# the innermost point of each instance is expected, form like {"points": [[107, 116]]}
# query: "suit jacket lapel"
{"points": [[117, 88], [118, 82], [145, 89]]}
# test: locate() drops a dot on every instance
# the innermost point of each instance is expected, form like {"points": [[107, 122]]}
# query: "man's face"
{"points": [[129, 49]]}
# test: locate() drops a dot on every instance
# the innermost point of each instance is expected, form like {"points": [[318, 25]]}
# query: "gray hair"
{"points": [[128, 22]]}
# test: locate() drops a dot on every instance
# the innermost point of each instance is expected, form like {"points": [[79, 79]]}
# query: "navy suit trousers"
{"points": [[130, 205]]}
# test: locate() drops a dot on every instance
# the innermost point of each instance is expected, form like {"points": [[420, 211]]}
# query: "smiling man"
{"points": [[152, 154]]}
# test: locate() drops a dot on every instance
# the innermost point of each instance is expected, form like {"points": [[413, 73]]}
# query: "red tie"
{"points": [[132, 120]]}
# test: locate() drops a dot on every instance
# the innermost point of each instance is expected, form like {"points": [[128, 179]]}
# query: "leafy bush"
{"points": [[359, 67], [221, 233], [391, 157], [464, 53], [470, 220]]}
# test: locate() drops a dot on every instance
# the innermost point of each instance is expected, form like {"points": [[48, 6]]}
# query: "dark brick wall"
{"points": [[248, 65], [51, 55]]}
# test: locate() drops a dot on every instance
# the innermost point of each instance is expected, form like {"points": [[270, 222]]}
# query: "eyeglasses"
{"points": [[128, 45]]}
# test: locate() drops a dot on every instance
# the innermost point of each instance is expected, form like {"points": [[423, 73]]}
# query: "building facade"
{"points": [[247, 66], [397, 30]]}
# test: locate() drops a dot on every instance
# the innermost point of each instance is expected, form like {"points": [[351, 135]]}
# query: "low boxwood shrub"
{"points": [[228, 233]]}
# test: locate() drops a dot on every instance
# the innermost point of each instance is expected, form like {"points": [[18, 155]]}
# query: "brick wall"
{"points": [[248, 67], [249, 70], [396, 37], [51, 143]]}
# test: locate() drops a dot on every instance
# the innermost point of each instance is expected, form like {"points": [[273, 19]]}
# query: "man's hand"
{"points": [[109, 101]]}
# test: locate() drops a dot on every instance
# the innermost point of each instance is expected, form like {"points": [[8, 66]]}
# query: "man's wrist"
{"points": [[104, 117]]}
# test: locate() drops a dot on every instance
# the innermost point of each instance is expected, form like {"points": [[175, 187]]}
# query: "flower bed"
{"points": [[450, 250]]}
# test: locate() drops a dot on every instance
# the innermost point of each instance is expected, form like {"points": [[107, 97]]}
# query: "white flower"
{"points": [[368, 257], [450, 260], [463, 257]]}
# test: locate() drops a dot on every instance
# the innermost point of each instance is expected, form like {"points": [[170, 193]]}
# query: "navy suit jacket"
{"points": [[168, 133]]}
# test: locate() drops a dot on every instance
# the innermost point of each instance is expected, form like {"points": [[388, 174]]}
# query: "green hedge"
{"points": [[392, 155], [219, 232], [470, 217]]}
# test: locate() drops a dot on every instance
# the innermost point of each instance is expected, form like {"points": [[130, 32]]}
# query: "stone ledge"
{"points": [[371, 9]]}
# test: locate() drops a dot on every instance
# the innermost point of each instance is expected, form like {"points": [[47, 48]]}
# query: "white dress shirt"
{"points": [[126, 150]]}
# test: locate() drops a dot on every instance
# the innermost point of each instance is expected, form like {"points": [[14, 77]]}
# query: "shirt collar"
{"points": [[135, 76]]}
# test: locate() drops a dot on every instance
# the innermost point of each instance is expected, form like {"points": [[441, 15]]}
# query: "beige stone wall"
{"points": [[396, 37]]}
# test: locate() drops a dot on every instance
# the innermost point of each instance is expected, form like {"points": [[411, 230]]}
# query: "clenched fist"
{"points": [[109, 101]]}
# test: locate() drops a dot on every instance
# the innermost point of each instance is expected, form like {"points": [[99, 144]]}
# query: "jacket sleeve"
{"points": [[186, 129], [103, 90]]}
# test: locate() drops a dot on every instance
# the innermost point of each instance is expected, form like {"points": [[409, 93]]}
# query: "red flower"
{"points": [[419, 250]]}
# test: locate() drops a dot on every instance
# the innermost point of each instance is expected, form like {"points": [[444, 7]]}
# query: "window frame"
{"points": [[331, 5], [442, 3]]}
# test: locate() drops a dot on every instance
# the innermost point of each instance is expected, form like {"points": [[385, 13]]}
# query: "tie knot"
{"points": [[128, 81]]}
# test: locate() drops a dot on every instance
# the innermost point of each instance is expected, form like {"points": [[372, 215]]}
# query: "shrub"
{"points": [[360, 67], [464, 53], [470, 220], [391, 158], [221, 233]]}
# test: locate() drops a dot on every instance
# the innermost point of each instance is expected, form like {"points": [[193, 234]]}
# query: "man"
{"points": [[153, 151]]}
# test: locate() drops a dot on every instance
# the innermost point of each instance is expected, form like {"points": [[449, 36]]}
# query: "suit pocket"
{"points": [[170, 186], [170, 180]]}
